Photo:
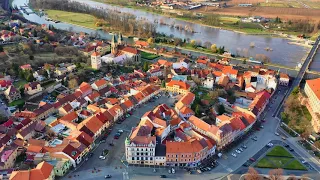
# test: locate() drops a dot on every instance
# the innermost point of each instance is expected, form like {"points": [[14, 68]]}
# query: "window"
{"points": [[182, 155], [176, 155], [142, 158], [137, 158], [132, 158], [151, 158], [138, 154], [176, 160]]}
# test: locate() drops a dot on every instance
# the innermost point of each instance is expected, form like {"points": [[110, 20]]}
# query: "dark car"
{"points": [[107, 176], [291, 149], [163, 176]]}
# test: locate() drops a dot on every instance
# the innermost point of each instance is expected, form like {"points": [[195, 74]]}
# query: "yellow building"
{"points": [[178, 86]]}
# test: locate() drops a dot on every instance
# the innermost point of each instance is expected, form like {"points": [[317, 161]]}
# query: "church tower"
{"points": [[114, 45], [120, 39], [95, 60]]}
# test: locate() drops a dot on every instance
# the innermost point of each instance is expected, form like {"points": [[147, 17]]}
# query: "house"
{"points": [[27, 131], [92, 126], [99, 84], [8, 156], [183, 106], [26, 67], [209, 82], [32, 88], [12, 94], [93, 97], [141, 44], [61, 71], [284, 79], [177, 86], [155, 72], [230, 72], [179, 65], [259, 103], [43, 171], [85, 89], [44, 111], [66, 109]]}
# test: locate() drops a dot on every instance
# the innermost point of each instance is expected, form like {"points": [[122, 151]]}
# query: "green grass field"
{"points": [[279, 151], [80, 19], [264, 163], [279, 157], [19, 102], [296, 165], [148, 56]]}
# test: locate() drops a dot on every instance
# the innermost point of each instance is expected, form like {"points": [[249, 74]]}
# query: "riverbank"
{"points": [[78, 19], [252, 29]]}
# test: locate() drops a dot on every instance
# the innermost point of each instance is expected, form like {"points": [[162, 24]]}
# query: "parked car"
{"points": [[234, 155], [269, 145], [244, 146], [163, 176], [238, 151], [102, 157], [107, 176], [252, 159], [277, 134]]}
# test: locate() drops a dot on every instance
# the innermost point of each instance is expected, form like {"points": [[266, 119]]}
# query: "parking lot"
{"points": [[116, 152]]}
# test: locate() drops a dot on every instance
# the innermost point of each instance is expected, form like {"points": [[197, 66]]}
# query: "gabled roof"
{"points": [[181, 84], [70, 116], [101, 82], [41, 172]]}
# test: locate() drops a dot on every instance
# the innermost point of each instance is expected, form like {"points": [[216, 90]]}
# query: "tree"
{"points": [[72, 83], [1, 49], [150, 40], [252, 174], [213, 95], [197, 110], [207, 44], [3, 119], [276, 174], [145, 66], [163, 84], [213, 48], [193, 43], [221, 109], [292, 177], [317, 144], [295, 90]]}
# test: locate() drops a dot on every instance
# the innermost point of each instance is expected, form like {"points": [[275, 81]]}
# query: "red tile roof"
{"points": [[130, 50], [101, 82], [181, 84], [314, 85], [95, 54]]}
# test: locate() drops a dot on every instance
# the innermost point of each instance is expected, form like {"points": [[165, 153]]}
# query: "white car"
{"points": [[303, 161], [269, 144], [102, 157], [234, 155], [277, 134], [238, 151], [120, 131]]}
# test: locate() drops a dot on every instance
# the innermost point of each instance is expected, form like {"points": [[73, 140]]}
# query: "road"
{"points": [[304, 67]]}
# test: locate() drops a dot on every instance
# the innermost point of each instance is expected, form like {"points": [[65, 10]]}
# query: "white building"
{"points": [[95, 60]]}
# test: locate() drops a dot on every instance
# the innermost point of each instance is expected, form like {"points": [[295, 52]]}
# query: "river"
{"points": [[283, 53]]}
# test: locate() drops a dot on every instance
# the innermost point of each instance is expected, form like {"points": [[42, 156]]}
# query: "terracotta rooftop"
{"points": [[314, 85], [181, 84]]}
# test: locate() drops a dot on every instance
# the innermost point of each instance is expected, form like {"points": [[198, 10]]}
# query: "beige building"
{"points": [[12, 94], [8, 156], [312, 102], [95, 60], [179, 87], [32, 88]]}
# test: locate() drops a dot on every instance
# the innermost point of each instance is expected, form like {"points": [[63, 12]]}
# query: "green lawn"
{"points": [[20, 83], [19, 102], [264, 163], [80, 19], [296, 165], [148, 56], [279, 162], [279, 151]]}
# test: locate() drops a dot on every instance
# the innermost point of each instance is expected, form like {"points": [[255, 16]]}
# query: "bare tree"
{"points": [[252, 174], [292, 177], [276, 174]]}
